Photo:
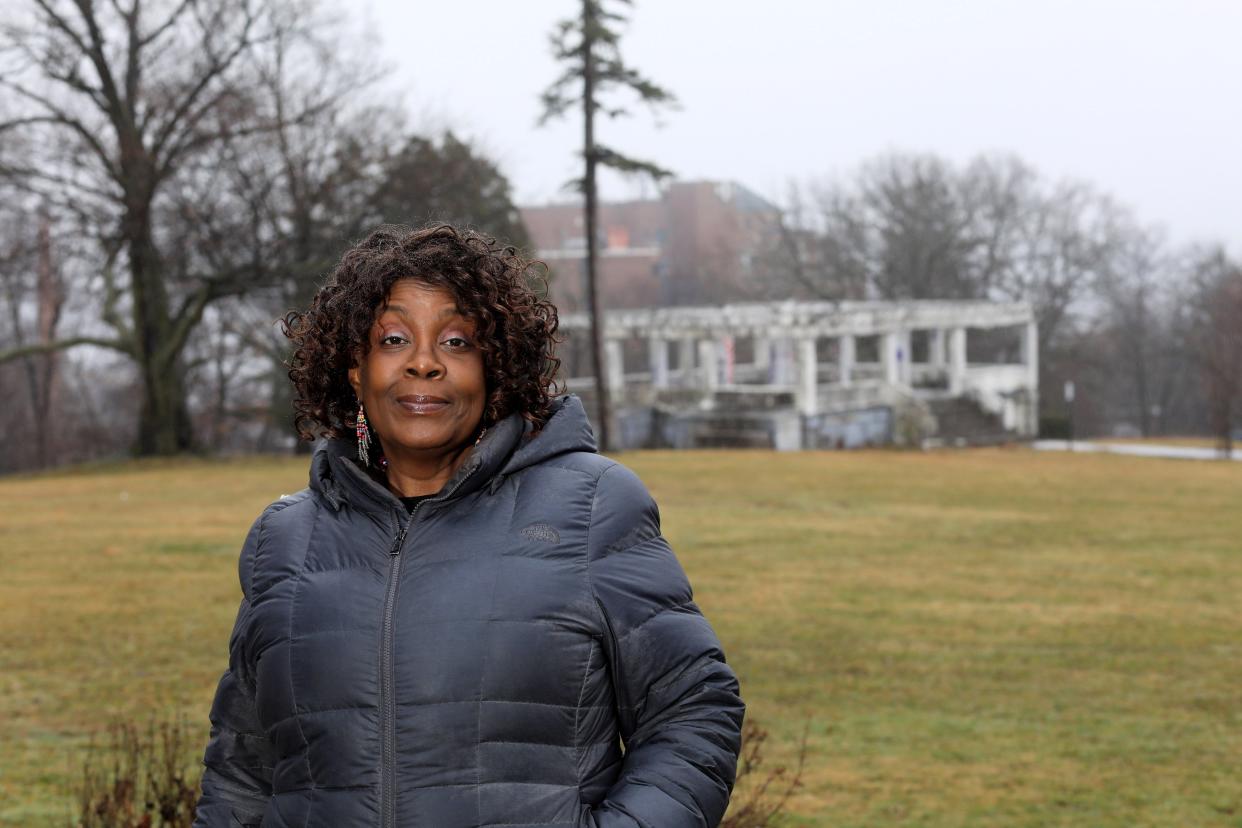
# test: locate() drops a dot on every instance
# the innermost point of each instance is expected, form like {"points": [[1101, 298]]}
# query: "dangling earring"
{"points": [[479, 439], [364, 437]]}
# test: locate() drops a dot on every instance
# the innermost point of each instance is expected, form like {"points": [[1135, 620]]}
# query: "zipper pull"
{"points": [[396, 545]]}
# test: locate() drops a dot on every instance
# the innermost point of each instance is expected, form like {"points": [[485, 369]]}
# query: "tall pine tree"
{"points": [[588, 47]]}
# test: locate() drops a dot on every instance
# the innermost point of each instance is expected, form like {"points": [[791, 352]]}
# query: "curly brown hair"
{"points": [[493, 285]]}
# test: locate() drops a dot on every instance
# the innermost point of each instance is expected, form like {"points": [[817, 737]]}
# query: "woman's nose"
{"points": [[425, 362]]}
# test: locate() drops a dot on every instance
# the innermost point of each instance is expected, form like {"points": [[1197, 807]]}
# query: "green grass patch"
{"points": [[979, 638]]}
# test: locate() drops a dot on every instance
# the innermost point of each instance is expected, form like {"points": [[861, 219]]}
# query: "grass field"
{"points": [[978, 638], [1182, 442]]}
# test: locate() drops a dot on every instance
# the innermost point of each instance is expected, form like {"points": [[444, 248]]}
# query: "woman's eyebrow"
{"points": [[444, 314]]}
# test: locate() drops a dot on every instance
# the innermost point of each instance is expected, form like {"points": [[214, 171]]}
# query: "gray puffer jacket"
{"points": [[479, 663]]}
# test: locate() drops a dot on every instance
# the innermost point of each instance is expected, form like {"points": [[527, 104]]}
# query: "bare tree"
{"points": [[32, 279], [820, 250], [19, 383], [50, 414], [906, 227], [922, 229], [115, 105], [1214, 337], [1133, 284], [1064, 240], [913, 226]]}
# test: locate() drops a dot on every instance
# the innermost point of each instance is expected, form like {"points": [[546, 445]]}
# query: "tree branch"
{"points": [[59, 116], [112, 295], [22, 175], [154, 35], [115, 106], [10, 354], [192, 307], [189, 315], [62, 25], [133, 48], [185, 113], [626, 165]]}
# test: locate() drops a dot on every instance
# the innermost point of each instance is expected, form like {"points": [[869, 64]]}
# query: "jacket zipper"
{"points": [[388, 704]]}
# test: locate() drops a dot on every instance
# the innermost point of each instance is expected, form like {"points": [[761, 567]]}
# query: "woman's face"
{"points": [[422, 380]]}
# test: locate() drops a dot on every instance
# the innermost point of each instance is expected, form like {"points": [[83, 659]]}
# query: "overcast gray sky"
{"points": [[1141, 98]]}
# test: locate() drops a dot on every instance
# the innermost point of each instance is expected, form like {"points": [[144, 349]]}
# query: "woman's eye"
{"points": [[457, 342], [392, 339]]}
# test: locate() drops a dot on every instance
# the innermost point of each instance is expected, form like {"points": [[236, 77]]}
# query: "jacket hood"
{"points": [[507, 447]]}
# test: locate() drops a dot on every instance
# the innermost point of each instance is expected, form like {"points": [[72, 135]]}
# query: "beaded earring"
{"points": [[364, 437]]}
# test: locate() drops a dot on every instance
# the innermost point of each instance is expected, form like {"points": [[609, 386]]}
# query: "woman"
{"points": [[469, 610]]}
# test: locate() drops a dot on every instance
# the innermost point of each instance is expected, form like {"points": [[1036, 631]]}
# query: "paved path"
{"points": [[1137, 449]]}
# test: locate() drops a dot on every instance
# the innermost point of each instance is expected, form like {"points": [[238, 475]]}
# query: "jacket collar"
{"points": [[568, 429], [506, 447]]}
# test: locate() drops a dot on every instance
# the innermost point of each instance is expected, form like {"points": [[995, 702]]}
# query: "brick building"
{"points": [[694, 245]]}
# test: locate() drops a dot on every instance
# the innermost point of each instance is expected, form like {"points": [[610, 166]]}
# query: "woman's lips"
{"points": [[422, 403]]}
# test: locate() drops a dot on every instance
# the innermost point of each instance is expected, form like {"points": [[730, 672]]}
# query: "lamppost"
{"points": [[1069, 400]]}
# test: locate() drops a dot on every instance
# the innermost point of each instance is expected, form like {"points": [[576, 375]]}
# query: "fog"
{"points": [[1139, 98]]}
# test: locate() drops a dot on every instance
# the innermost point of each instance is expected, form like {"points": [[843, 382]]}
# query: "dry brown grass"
{"points": [[980, 638]]}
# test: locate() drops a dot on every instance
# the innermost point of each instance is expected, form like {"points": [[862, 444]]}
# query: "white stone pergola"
{"points": [[785, 336]]}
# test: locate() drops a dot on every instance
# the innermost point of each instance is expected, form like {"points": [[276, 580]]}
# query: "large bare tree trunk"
{"points": [[164, 422]]}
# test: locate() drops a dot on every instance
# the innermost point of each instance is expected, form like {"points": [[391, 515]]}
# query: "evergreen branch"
{"points": [[626, 165]]}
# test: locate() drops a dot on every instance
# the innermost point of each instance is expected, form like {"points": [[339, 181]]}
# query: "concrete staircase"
{"points": [[722, 430], [961, 422]]}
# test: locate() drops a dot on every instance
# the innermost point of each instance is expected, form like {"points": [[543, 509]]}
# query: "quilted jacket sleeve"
{"points": [[237, 779], [678, 702]]}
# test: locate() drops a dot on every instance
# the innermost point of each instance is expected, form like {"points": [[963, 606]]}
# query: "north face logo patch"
{"points": [[542, 532]]}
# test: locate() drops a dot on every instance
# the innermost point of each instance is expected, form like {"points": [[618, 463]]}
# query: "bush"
{"points": [[140, 777], [149, 778], [763, 796], [1054, 428]]}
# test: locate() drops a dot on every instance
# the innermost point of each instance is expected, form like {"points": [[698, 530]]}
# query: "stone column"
{"points": [[763, 351], [957, 360], [614, 367], [657, 356], [685, 361], [782, 362], [1030, 358], [889, 344], [905, 371], [709, 363], [935, 347], [808, 381], [846, 356]]}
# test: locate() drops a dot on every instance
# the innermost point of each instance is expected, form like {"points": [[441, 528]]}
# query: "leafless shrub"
{"points": [[139, 777], [764, 793]]}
